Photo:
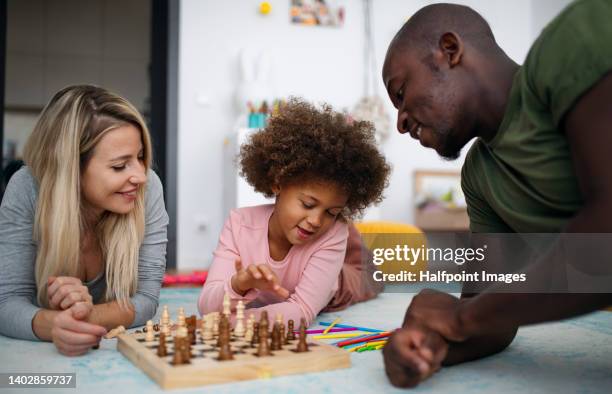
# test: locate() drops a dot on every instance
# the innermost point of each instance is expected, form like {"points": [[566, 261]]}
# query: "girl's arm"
{"points": [[317, 284], [218, 281]]}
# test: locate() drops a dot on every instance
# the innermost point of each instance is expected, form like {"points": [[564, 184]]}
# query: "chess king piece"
{"points": [[302, 346]]}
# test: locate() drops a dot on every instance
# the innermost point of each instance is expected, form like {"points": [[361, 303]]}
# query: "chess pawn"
{"points": [[239, 328], [302, 346], [150, 335], [162, 351], [290, 331], [255, 338]]}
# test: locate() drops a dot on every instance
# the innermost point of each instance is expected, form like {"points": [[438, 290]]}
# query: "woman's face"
{"points": [[304, 212], [114, 173]]}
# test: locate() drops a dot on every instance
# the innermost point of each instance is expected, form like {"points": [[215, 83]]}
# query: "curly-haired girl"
{"points": [[286, 258]]}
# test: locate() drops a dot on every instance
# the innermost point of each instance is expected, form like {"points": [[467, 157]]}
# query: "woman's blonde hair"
{"points": [[57, 151]]}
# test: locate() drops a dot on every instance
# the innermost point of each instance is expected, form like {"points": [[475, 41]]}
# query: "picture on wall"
{"points": [[439, 203], [317, 13]]}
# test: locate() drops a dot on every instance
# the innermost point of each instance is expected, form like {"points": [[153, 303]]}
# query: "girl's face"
{"points": [[304, 212], [114, 173]]}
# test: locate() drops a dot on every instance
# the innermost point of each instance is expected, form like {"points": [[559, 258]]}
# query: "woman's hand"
{"points": [[72, 334], [256, 276], [65, 291]]}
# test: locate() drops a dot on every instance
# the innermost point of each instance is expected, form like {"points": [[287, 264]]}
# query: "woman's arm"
{"points": [[151, 265], [17, 257]]}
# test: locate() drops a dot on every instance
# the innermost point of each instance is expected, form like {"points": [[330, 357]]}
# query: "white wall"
{"points": [[320, 64]]}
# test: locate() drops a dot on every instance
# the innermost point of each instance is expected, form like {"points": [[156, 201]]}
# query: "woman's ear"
{"points": [[276, 189]]}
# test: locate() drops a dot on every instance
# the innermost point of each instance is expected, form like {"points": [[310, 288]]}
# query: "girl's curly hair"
{"points": [[303, 143]]}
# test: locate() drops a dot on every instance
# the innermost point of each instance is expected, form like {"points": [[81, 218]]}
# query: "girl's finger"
{"points": [[254, 271], [267, 273], [238, 264]]}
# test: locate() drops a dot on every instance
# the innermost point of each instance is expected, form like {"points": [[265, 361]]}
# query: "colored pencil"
{"points": [[322, 323], [357, 340], [332, 330], [332, 325], [338, 335]]}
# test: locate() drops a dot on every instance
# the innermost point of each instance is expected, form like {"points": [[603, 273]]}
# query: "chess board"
{"points": [[206, 369]]}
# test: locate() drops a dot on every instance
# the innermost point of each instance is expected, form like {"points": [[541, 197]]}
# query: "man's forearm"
{"points": [[490, 311], [479, 347]]}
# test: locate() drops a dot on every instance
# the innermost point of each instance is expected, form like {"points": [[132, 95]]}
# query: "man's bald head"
{"points": [[424, 29]]}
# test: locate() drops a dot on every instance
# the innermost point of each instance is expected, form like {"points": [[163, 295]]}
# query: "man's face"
{"points": [[428, 101]]}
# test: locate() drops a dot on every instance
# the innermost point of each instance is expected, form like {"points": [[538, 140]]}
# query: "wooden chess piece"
{"points": [[302, 346], [225, 350], [255, 339], [227, 305], [207, 330], [239, 328], [264, 348], [284, 340], [248, 335], [216, 318], [276, 338], [177, 359], [162, 351], [150, 334], [181, 317], [223, 327], [290, 331]]}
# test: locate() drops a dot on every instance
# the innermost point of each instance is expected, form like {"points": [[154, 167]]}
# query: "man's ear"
{"points": [[452, 47]]}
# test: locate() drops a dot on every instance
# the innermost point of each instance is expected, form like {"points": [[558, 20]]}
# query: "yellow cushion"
{"points": [[383, 234]]}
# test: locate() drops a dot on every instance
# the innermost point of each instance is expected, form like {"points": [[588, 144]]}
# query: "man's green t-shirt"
{"points": [[523, 180]]}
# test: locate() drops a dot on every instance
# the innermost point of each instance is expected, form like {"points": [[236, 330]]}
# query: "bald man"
{"points": [[541, 161]]}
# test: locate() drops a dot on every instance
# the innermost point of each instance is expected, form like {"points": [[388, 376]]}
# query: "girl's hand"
{"points": [[65, 291], [256, 276], [71, 334]]}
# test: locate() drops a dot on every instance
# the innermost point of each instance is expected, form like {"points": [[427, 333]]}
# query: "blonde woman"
{"points": [[82, 225]]}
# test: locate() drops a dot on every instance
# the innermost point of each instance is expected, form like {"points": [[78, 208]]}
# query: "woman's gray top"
{"points": [[18, 291]]}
